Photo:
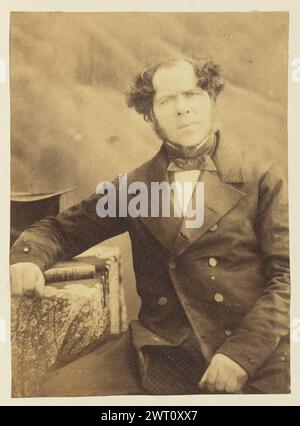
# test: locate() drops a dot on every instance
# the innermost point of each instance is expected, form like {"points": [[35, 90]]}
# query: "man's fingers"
{"points": [[231, 386], [221, 381], [211, 379], [16, 282], [202, 383], [208, 380], [28, 281], [39, 284]]}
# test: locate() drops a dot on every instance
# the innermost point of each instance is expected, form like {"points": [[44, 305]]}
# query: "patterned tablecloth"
{"points": [[65, 321]]}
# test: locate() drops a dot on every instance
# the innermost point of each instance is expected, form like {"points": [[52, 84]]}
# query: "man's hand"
{"points": [[223, 375], [26, 279]]}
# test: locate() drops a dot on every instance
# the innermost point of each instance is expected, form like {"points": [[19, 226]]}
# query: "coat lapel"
{"points": [[219, 199], [220, 196], [164, 229]]}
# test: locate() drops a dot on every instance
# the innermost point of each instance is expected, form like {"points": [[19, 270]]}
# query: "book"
{"points": [[74, 270], [96, 266]]}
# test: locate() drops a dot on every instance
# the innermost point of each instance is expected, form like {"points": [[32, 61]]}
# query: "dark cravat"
{"points": [[191, 158]]}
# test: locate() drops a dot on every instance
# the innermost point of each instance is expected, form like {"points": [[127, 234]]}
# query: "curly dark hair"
{"points": [[140, 96]]}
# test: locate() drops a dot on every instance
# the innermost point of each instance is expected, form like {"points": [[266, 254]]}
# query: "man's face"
{"points": [[184, 112]]}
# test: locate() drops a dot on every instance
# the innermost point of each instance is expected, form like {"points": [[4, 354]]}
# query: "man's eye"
{"points": [[191, 94], [165, 101]]}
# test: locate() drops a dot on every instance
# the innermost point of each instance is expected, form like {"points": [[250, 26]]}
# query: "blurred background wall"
{"points": [[69, 122]]}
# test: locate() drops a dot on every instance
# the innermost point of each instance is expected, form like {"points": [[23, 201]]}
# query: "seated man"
{"points": [[215, 290]]}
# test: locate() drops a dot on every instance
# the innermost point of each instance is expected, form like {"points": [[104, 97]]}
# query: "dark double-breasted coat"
{"points": [[227, 280]]}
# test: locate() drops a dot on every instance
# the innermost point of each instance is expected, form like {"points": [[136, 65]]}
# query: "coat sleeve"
{"points": [[66, 235], [267, 322]]}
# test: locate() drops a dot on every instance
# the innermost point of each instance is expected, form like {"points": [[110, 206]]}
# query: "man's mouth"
{"points": [[185, 125]]}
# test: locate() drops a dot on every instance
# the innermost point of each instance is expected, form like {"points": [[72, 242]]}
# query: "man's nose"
{"points": [[182, 105]]}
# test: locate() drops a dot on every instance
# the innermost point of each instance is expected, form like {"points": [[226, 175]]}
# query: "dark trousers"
{"points": [[109, 369], [112, 368]]}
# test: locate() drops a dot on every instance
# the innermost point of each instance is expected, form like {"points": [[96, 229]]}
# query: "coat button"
{"points": [[26, 249], [213, 228], [219, 298], [228, 333], [172, 264], [212, 262], [282, 358], [252, 361], [162, 301]]}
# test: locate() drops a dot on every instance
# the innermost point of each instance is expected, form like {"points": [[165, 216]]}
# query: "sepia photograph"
{"points": [[149, 221]]}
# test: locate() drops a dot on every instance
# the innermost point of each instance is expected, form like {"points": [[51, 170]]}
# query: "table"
{"points": [[69, 318]]}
